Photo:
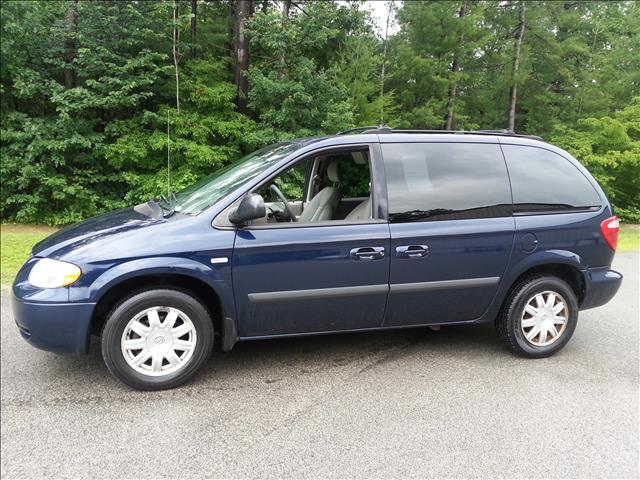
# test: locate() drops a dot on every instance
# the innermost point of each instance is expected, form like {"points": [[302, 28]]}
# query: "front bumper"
{"points": [[601, 285], [57, 327]]}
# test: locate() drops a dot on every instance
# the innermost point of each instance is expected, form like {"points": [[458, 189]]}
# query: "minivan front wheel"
{"points": [[538, 317], [157, 339]]}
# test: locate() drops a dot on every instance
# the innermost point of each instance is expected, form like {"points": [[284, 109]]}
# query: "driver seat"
{"points": [[321, 207]]}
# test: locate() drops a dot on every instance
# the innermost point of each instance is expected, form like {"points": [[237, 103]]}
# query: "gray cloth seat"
{"points": [[322, 206], [361, 212]]}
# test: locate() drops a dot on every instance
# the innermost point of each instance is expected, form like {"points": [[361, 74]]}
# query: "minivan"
{"points": [[371, 229]]}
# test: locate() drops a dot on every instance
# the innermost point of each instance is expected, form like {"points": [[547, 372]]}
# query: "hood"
{"points": [[98, 228]]}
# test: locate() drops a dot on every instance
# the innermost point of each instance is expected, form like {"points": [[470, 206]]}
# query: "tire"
{"points": [[514, 324], [172, 357]]}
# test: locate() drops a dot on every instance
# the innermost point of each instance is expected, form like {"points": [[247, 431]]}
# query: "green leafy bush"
{"points": [[610, 149]]}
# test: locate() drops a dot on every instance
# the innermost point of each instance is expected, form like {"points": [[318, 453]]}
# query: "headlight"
{"points": [[49, 273]]}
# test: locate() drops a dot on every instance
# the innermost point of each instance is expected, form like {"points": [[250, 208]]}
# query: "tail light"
{"points": [[610, 228]]}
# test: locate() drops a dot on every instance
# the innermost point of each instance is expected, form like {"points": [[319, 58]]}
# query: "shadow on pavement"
{"points": [[305, 354]]}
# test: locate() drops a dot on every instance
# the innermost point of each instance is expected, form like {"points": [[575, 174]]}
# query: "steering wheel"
{"points": [[285, 202]]}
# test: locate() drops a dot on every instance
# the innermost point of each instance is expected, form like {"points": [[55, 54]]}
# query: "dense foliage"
{"points": [[89, 88]]}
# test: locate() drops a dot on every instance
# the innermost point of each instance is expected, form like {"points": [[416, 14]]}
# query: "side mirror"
{"points": [[250, 208]]}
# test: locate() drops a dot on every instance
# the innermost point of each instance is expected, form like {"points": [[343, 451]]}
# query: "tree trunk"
{"points": [[513, 93], [229, 42], [282, 62], [194, 6], [241, 52], [455, 68], [70, 46]]}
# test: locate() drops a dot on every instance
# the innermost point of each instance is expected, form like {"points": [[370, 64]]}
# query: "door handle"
{"points": [[412, 251], [367, 253]]}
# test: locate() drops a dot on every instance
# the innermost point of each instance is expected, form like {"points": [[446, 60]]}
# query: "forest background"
{"points": [[89, 88]]}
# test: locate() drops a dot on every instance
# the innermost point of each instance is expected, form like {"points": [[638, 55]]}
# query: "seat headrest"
{"points": [[333, 172]]}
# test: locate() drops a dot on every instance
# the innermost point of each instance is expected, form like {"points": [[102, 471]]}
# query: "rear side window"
{"points": [[446, 181], [545, 181]]}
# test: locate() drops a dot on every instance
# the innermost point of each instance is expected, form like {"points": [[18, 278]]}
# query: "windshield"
{"points": [[201, 195]]}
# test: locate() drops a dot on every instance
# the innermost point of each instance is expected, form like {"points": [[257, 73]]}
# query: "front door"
{"points": [[310, 279], [452, 230], [326, 271]]}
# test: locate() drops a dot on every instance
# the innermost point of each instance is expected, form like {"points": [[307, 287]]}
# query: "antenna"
{"points": [[168, 158], [384, 62]]}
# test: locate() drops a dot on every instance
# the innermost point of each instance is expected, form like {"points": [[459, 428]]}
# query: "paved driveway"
{"points": [[411, 403]]}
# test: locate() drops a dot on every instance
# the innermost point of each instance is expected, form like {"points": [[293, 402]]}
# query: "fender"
{"points": [[218, 278], [532, 260]]}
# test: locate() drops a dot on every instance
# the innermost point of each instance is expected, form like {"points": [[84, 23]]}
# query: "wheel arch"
{"points": [[121, 287], [563, 264], [560, 263], [566, 272]]}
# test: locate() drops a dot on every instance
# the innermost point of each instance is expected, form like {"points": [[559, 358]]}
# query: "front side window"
{"points": [[544, 181], [445, 181], [331, 186]]}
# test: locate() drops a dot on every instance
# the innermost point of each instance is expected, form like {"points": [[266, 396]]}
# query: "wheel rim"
{"points": [[544, 318], [158, 341]]}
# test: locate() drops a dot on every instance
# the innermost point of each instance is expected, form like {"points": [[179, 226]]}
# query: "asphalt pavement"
{"points": [[409, 403]]}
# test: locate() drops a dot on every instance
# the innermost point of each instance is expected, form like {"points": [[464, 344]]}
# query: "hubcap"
{"points": [[544, 318], [158, 341]]}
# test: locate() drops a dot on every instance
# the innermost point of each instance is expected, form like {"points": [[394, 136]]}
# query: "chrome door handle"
{"points": [[412, 251], [367, 253]]}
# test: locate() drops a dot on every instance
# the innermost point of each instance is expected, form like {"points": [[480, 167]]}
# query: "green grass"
{"points": [[629, 239], [17, 241], [15, 245]]}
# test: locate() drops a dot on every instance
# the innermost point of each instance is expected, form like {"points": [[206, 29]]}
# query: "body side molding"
{"points": [[316, 293], [443, 284]]}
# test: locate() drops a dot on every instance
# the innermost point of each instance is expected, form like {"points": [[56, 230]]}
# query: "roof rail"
{"points": [[386, 129], [368, 129], [501, 133]]}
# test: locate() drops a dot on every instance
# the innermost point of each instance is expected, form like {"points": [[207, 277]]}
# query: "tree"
{"points": [[310, 98], [241, 10], [70, 45], [194, 23], [455, 68], [86, 87], [286, 6], [610, 148], [53, 140], [513, 89]]}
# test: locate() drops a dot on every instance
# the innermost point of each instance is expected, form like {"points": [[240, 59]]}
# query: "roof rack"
{"points": [[368, 129], [386, 129]]}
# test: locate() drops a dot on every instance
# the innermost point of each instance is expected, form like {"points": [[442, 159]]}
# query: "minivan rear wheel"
{"points": [[538, 317], [157, 339]]}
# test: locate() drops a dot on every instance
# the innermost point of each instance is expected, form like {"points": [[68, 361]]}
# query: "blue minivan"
{"points": [[371, 229]]}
